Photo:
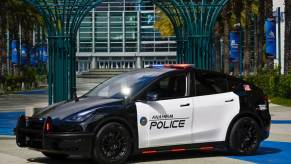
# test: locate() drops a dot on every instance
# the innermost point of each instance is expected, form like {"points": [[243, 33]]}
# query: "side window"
{"points": [[208, 83], [170, 87]]}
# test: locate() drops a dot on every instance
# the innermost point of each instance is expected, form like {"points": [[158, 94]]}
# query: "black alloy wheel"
{"points": [[244, 138], [112, 144]]}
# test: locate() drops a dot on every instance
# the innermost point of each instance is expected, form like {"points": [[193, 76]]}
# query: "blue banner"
{"points": [[44, 55], [270, 29], [23, 54], [40, 54], [32, 57], [234, 47], [15, 57]]}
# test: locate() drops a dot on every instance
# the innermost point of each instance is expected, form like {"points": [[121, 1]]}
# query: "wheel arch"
{"points": [[120, 120], [239, 116]]}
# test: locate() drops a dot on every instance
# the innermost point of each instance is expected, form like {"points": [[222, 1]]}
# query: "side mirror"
{"points": [[152, 96]]}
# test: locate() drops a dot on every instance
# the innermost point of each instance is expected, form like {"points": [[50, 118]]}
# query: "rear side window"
{"points": [[208, 83]]}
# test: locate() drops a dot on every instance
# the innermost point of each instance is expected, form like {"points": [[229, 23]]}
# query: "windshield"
{"points": [[124, 85]]}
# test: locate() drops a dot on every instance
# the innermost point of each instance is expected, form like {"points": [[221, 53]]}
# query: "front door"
{"points": [[166, 121]]}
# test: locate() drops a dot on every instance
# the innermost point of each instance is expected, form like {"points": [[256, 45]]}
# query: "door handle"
{"points": [[185, 105], [231, 100]]}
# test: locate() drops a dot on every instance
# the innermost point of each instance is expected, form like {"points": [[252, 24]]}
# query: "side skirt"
{"points": [[211, 146]]}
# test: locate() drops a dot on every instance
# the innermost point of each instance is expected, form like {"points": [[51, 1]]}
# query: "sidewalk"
{"points": [[18, 102]]}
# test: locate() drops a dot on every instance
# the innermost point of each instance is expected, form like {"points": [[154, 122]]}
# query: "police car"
{"points": [[165, 108]]}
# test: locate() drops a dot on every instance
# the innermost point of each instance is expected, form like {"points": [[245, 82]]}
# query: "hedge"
{"points": [[273, 84], [29, 77]]}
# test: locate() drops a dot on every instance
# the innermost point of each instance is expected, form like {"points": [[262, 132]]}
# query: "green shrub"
{"points": [[273, 84]]}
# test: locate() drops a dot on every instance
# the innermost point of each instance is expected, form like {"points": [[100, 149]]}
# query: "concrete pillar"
{"points": [[138, 62], [93, 62]]}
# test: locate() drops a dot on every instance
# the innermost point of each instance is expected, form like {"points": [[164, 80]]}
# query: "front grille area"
{"points": [[35, 123], [34, 134]]}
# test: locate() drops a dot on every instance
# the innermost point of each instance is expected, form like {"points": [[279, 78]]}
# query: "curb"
{"points": [[6, 137]]}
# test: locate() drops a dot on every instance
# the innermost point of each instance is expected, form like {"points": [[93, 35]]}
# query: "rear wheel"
{"points": [[244, 138], [112, 144], [55, 156]]}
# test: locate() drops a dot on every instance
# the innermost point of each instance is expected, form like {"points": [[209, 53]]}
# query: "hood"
{"points": [[64, 109]]}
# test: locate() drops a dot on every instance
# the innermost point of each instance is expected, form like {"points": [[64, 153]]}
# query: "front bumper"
{"points": [[62, 143]]}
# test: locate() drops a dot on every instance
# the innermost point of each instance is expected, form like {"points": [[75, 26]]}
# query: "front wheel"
{"points": [[244, 137], [112, 144]]}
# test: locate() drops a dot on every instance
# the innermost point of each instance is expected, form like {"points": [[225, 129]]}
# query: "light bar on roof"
{"points": [[174, 66]]}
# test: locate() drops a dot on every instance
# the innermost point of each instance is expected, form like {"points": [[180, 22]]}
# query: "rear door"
{"points": [[166, 121], [214, 107]]}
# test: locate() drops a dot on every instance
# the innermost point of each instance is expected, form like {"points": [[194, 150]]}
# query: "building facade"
{"points": [[288, 35], [283, 29], [120, 34]]}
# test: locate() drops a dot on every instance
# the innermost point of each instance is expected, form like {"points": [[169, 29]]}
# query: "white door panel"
{"points": [[212, 116], [169, 122]]}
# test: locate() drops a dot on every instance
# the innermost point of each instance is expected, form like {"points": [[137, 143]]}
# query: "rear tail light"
{"points": [[247, 87]]}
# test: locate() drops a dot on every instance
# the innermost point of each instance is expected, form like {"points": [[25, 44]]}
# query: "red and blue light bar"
{"points": [[174, 66]]}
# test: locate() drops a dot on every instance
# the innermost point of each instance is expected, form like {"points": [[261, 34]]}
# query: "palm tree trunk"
{"points": [[226, 44], [246, 43], [261, 36]]}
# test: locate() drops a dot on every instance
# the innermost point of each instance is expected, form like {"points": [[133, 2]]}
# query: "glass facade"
{"points": [[120, 34]]}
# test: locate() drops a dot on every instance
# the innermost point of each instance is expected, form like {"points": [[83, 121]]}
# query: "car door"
{"points": [[167, 120], [214, 107]]}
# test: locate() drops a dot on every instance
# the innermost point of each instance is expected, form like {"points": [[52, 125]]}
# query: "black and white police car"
{"points": [[166, 108]]}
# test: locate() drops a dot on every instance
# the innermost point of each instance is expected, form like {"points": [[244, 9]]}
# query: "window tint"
{"points": [[208, 83], [170, 87]]}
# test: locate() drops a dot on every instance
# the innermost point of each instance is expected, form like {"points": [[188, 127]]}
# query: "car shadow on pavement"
{"points": [[136, 158], [157, 157], [268, 150]]}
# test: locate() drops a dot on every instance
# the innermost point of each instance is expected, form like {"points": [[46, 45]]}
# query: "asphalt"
{"points": [[277, 149]]}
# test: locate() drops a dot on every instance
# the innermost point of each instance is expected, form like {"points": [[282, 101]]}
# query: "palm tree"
{"points": [[13, 15], [163, 24], [226, 14]]}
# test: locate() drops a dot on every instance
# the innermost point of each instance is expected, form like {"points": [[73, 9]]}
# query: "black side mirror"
{"points": [[152, 96]]}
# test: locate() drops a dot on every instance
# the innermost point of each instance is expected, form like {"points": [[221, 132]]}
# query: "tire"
{"points": [[112, 144], [244, 137], [55, 156]]}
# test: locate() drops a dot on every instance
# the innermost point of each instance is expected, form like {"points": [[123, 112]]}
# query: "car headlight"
{"points": [[81, 116]]}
